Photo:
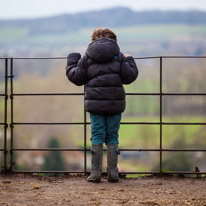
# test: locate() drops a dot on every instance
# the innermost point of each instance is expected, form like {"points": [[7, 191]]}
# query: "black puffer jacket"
{"points": [[104, 69]]}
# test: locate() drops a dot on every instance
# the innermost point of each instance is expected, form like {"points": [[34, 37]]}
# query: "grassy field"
{"points": [[148, 136], [158, 32], [128, 34], [12, 35], [139, 108]]}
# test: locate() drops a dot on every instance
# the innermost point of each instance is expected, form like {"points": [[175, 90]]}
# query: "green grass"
{"points": [[167, 171], [158, 32], [148, 136], [135, 175], [127, 34], [12, 34], [1, 104], [1, 109]]}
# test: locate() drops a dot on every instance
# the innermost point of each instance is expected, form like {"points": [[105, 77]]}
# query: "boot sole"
{"points": [[93, 181], [113, 180]]}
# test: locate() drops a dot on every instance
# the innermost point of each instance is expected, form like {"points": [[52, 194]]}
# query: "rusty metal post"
{"points": [[11, 124], [85, 138], [5, 114], [160, 114]]}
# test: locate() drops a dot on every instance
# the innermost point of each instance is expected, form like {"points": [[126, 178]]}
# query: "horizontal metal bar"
{"points": [[75, 123], [153, 57], [74, 172], [192, 56], [145, 57], [71, 149], [155, 94], [130, 150], [45, 94], [131, 123], [167, 123], [143, 94], [1, 150], [3, 95], [49, 123], [27, 58], [9, 76], [169, 94], [2, 123], [49, 149], [183, 94], [184, 123], [175, 172], [137, 150], [165, 150], [81, 172], [140, 123], [120, 173], [124, 173], [184, 150]]}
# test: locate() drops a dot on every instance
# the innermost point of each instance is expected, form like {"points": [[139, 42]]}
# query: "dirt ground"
{"points": [[27, 189]]}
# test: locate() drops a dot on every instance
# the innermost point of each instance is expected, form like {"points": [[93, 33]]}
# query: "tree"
{"points": [[54, 161], [177, 161]]}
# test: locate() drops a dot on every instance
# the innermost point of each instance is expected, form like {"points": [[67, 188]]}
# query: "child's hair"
{"points": [[100, 32]]}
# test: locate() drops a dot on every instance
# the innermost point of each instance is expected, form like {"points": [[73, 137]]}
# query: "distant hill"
{"points": [[115, 17], [139, 33]]}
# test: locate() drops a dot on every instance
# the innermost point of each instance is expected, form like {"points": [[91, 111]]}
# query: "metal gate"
{"points": [[84, 123]]}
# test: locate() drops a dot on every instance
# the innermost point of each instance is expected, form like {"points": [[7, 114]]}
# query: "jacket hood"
{"points": [[102, 50]]}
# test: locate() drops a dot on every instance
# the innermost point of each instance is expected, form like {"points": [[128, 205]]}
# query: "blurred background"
{"points": [[55, 29]]}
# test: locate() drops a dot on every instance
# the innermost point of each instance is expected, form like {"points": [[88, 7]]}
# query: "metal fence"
{"points": [[5, 95], [9, 62]]}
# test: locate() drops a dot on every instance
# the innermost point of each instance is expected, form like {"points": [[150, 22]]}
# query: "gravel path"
{"points": [[25, 189]]}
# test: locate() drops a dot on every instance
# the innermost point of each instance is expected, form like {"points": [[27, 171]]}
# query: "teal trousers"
{"points": [[105, 128]]}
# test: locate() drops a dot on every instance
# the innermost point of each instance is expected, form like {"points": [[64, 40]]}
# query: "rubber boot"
{"points": [[97, 155], [112, 159]]}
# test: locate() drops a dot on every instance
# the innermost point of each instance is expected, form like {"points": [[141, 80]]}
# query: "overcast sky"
{"points": [[11, 9]]}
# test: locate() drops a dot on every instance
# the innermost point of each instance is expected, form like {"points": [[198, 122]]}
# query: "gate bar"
{"points": [[5, 114], [160, 114], [12, 115], [157, 94], [85, 138], [131, 150], [80, 123]]}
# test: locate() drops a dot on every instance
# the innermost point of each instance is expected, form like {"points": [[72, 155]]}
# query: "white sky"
{"points": [[12, 9]]}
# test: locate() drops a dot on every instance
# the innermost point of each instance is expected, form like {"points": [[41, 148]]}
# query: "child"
{"points": [[104, 70]]}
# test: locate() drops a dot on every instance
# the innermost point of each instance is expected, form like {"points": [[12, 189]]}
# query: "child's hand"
{"points": [[127, 55], [73, 58]]}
